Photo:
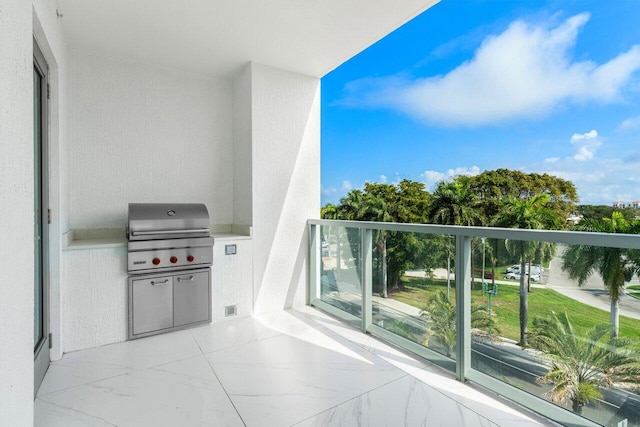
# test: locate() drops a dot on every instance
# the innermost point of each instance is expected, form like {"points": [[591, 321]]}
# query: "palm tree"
{"points": [[533, 213], [378, 210], [582, 365], [454, 203], [364, 206], [353, 205], [440, 314], [614, 265], [329, 211]]}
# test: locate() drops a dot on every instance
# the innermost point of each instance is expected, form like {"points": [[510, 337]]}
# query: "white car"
{"points": [[535, 269], [515, 268], [516, 276]]}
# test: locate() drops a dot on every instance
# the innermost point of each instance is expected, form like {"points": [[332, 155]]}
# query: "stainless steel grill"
{"points": [[169, 255], [168, 236]]}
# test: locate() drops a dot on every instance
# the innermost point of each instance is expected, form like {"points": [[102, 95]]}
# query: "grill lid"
{"points": [[150, 221]]}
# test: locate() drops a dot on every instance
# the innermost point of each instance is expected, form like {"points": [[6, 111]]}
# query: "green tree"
{"points": [[413, 201], [380, 210], [614, 265], [595, 211], [533, 213], [353, 206], [402, 202], [581, 366], [455, 203], [440, 313], [330, 211], [495, 185]]}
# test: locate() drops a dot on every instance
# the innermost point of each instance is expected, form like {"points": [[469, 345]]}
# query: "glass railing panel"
{"points": [[418, 302], [567, 355], [340, 268]]}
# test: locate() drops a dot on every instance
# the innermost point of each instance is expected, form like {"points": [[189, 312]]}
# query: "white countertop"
{"points": [[102, 238]]}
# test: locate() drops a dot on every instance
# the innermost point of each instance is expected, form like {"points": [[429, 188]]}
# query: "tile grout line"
{"points": [[128, 371], [225, 391], [353, 398], [411, 374], [217, 378], [75, 410]]}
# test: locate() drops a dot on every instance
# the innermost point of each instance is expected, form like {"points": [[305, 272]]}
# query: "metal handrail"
{"points": [[613, 240]]}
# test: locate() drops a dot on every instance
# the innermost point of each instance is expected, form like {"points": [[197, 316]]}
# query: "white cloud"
{"points": [[578, 137], [383, 179], [432, 177], [587, 145], [525, 72], [629, 124], [346, 186], [551, 159], [598, 180], [328, 191], [583, 154]]}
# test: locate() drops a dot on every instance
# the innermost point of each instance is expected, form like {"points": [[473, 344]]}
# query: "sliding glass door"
{"points": [[40, 217]]}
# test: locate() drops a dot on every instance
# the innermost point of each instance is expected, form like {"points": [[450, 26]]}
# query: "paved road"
{"points": [[592, 292]]}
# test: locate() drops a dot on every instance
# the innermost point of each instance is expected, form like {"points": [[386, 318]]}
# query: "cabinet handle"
{"points": [[159, 283], [182, 279]]}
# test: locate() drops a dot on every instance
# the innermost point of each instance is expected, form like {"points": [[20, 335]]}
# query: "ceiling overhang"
{"points": [[216, 38]]}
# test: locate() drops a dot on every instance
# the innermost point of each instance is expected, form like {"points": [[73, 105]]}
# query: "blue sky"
{"points": [[539, 86]]}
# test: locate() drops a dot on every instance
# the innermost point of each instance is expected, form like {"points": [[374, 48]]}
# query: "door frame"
{"points": [[41, 350]]}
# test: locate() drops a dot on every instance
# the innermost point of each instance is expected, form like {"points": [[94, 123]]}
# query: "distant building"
{"points": [[622, 205]]}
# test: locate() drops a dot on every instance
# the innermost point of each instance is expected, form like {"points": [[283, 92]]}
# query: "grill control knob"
{"points": [[173, 260], [190, 258], [156, 261]]}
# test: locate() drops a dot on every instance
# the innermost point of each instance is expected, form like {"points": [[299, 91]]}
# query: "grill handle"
{"points": [[161, 232], [159, 283], [182, 279]]}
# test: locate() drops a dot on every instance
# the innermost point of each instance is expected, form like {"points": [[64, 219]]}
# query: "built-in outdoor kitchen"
{"points": [[169, 258], [161, 273]]}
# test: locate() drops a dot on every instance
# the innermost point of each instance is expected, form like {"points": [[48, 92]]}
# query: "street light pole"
{"points": [[483, 247]]}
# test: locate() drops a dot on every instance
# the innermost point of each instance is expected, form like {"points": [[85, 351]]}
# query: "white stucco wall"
{"points": [[231, 278], [285, 126], [242, 211], [95, 303], [16, 213], [145, 134]]}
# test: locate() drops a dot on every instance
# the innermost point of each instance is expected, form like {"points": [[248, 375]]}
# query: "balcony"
{"points": [[213, 102], [472, 329], [299, 367]]}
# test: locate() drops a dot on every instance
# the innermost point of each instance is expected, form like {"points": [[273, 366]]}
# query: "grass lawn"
{"points": [[505, 306]]}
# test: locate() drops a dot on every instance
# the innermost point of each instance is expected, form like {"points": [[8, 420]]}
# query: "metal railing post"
{"points": [[314, 263], [463, 306], [366, 255]]}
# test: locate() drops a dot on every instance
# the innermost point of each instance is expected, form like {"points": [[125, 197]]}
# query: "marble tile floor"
{"points": [[295, 368]]}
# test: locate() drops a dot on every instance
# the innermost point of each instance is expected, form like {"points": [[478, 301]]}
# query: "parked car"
{"points": [[535, 269], [516, 276], [515, 268]]}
